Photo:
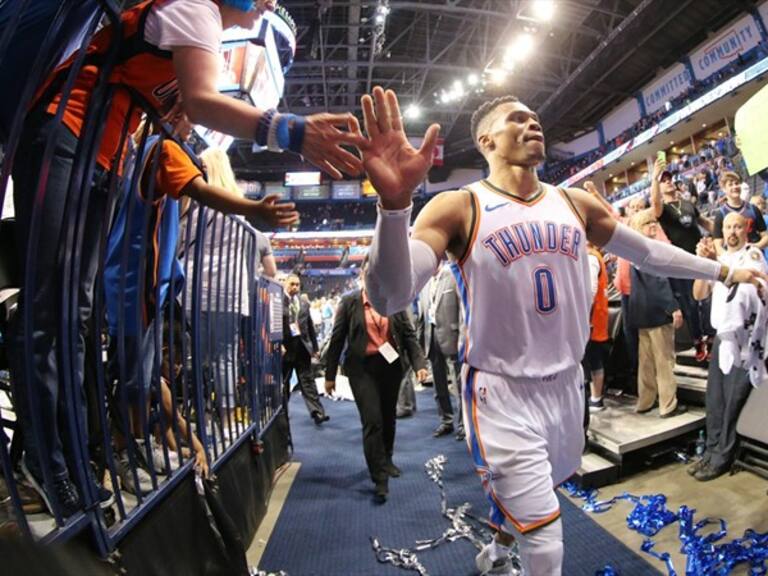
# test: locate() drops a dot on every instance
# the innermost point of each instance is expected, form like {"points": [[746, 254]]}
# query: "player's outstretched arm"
{"points": [[398, 267], [650, 255]]}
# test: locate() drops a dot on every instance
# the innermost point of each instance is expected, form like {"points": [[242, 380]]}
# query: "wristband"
{"points": [[278, 133], [262, 128], [296, 136], [394, 213]]}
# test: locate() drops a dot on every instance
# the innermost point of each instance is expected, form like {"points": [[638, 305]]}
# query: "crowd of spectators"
{"points": [[696, 175], [350, 215], [559, 170]]}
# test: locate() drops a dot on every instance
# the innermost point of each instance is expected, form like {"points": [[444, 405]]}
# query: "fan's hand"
{"points": [[323, 141], [272, 212], [394, 167]]}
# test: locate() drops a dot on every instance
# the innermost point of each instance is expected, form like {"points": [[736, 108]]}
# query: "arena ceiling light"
{"points": [[498, 76], [520, 49], [543, 10], [412, 112], [536, 11]]}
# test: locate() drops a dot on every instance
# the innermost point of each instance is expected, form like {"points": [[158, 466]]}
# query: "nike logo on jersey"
{"points": [[492, 208]]}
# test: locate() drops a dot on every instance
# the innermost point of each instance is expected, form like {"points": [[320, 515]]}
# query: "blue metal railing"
{"points": [[205, 361]]}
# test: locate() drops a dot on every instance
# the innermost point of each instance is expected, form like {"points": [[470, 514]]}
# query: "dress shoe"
{"points": [[392, 470], [709, 472], [380, 492], [697, 466], [404, 414], [655, 405], [442, 430], [679, 409], [320, 418]]}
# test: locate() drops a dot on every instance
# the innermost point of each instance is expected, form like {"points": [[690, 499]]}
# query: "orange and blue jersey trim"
{"points": [[458, 275], [498, 512]]}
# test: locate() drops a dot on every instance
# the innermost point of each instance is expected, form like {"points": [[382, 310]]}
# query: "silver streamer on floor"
{"points": [[464, 525]]}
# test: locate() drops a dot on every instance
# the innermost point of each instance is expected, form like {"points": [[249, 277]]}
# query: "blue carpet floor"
{"points": [[329, 516]]}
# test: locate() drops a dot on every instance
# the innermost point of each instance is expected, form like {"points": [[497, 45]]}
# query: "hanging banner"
{"points": [[763, 11], [718, 51], [673, 83]]}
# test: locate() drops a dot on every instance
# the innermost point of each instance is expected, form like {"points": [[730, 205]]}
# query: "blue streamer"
{"points": [[705, 553], [607, 571]]}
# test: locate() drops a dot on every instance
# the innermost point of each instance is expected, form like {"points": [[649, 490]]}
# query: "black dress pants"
{"points": [[299, 359], [726, 396], [375, 390], [440, 376]]}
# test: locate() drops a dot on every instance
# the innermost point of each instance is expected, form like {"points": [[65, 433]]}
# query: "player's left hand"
{"points": [[749, 276], [394, 167]]}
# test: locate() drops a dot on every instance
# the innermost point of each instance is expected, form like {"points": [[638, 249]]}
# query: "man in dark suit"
{"points": [[440, 318], [300, 344], [374, 367]]}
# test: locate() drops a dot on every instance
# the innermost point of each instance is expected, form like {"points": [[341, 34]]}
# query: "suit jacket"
{"points": [[349, 327], [447, 314], [307, 336]]}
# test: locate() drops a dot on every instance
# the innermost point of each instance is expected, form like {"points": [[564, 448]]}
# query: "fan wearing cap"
{"points": [[682, 223], [730, 184]]}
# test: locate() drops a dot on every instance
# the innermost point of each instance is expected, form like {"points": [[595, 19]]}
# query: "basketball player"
{"points": [[518, 249]]}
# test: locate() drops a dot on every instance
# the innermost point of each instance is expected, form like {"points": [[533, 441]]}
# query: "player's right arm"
{"points": [[401, 266]]}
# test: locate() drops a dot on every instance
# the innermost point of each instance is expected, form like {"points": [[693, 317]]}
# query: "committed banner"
{"points": [[673, 83], [716, 52]]}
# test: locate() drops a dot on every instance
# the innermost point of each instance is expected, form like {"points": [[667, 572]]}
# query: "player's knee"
{"points": [[541, 550]]}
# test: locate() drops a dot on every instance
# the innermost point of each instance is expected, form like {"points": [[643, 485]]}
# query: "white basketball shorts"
{"points": [[526, 437]]}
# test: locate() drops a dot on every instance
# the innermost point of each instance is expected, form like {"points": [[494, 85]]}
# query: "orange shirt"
{"points": [[175, 170], [599, 318], [376, 326], [143, 68]]}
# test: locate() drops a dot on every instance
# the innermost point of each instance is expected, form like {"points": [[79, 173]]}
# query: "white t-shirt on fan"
{"points": [[175, 23]]}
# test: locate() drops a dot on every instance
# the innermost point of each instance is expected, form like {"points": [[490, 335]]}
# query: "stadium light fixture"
{"points": [[536, 11], [543, 10], [520, 49], [412, 112], [498, 76], [472, 79]]}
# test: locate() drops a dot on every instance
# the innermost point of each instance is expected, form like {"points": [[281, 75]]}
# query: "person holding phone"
{"points": [[682, 222]]}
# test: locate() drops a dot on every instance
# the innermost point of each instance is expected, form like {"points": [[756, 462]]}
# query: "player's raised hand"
{"points": [[394, 167]]}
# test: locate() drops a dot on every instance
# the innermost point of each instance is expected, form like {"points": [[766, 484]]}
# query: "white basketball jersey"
{"points": [[524, 284]]}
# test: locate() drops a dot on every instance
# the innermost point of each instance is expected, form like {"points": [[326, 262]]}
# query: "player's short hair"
{"points": [[484, 110], [729, 176]]}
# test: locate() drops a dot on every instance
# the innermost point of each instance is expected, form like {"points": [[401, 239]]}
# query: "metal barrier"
{"points": [[122, 380]]}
